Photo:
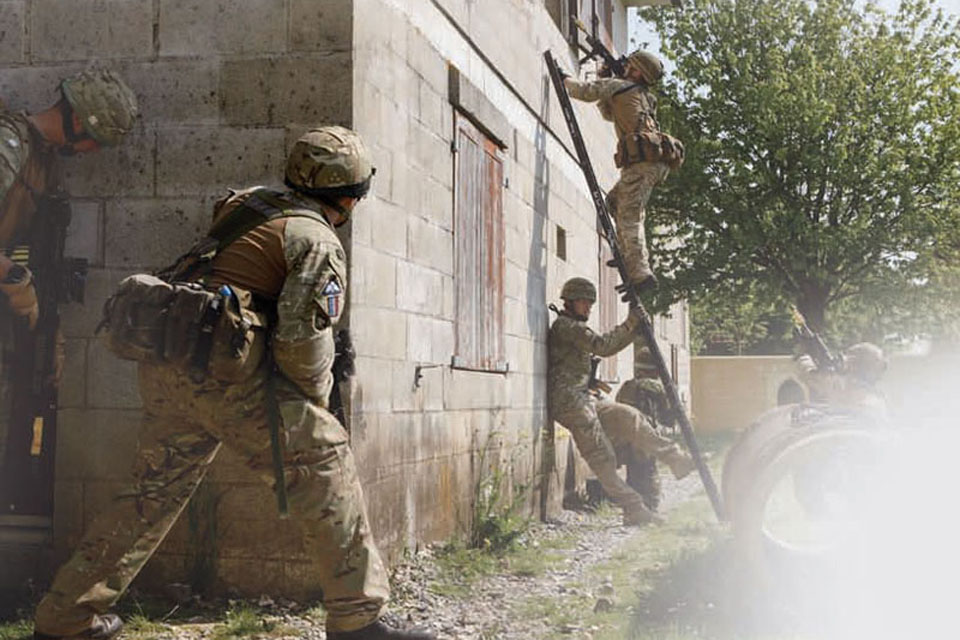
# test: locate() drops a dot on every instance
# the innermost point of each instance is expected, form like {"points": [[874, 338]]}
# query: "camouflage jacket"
{"points": [[630, 106], [300, 263], [570, 344], [649, 397], [26, 167]]}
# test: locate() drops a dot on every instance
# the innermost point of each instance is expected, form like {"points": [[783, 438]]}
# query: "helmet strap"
{"points": [[331, 202], [70, 134]]}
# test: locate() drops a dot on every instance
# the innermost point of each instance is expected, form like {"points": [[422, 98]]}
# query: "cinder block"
{"points": [[316, 89], [11, 31], [427, 61], [388, 227], [235, 573], [73, 382], [97, 444], [83, 235], [133, 227], [419, 289], [202, 160], [431, 152], [436, 203], [91, 29], [176, 91], [430, 245], [475, 390], [81, 320], [68, 515], [33, 88], [374, 386], [380, 333], [372, 278], [321, 26], [430, 109], [111, 382], [429, 340], [204, 27], [125, 170]]}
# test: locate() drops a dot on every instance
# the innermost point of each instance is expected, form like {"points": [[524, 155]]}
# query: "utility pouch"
{"points": [[649, 146], [240, 337], [198, 331]]}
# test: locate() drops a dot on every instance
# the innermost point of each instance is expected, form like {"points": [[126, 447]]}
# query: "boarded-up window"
{"points": [[479, 250], [607, 301], [597, 17]]}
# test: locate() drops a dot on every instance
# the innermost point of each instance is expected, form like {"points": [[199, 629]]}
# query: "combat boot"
{"points": [[103, 627], [680, 462], [380, 631], [637, 515]]}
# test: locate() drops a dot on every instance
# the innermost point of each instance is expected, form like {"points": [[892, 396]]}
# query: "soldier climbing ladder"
{"points": [[630, 292]]}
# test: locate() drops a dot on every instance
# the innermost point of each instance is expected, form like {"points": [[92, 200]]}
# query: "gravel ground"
{"points": [[486, 613]]}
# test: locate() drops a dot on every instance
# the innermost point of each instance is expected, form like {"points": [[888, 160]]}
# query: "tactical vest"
{"points": [[174, 317], [647, 143]]}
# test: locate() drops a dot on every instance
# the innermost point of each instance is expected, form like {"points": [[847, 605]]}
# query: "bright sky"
{"points": [[640, 33]]}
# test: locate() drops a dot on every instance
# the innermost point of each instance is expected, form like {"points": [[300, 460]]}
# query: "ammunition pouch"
{"points": [[649, 146], [202, 332]]}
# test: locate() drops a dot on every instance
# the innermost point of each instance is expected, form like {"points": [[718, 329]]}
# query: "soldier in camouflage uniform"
{"points": [[854, 385], [644, 154], [96, 109], [295, 265], [599, 426], [645, 392]]}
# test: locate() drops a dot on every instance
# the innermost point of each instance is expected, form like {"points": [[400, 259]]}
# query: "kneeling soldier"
{"points": [[292, 262], [599, 425]]}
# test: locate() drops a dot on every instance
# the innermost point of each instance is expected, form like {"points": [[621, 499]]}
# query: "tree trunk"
{"points": [[812, 303]]}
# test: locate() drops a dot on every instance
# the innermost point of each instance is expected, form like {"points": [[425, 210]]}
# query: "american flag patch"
{"points": [[332, 292]]}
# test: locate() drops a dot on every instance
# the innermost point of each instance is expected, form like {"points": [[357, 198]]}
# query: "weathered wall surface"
{"points": [[729, 392], [223, 89], [422, 449]]}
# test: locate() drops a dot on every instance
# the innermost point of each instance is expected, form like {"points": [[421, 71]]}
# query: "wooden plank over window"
{"points": [[478, 212]]}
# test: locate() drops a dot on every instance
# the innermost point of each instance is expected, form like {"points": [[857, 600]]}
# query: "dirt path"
{"points": [[549, 589]]}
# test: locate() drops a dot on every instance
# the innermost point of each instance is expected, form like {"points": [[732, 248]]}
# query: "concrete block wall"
{"points": [[423, 449], [224, 88]]}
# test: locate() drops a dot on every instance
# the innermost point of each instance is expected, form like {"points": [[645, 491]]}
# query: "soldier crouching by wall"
{"points": [[645, 392], [276, 256], [599, 426]]}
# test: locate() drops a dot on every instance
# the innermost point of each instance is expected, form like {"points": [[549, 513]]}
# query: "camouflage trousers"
{"points": [[184, 425], [599, 429], [628, 202]]}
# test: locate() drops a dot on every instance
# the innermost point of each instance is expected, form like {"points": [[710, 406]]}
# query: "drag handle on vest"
{"points": [[631, 296]]}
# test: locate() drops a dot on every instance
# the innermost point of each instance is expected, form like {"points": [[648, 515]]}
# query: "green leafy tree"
{"points": [[823, 153]]}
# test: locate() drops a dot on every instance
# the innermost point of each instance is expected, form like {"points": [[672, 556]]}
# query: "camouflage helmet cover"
{"points": [[865, 361], [643, 363], [649, 65], [104, 104], [578, 289], [329, 159]]}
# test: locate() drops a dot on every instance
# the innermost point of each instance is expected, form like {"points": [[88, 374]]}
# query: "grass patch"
{"points": [[16, 629]]}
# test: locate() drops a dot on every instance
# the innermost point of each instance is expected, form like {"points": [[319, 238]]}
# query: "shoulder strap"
{"points": [[262, 206], [635, 85]]}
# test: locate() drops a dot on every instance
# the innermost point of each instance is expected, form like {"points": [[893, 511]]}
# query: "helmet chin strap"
{"points": [[70, 134], [336, 206]]}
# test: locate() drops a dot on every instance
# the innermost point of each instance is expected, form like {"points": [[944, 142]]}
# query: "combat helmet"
{"points": [[103, 103], [649, 65], [578, 289], [865, 361], [643, 364], [329, 162]]}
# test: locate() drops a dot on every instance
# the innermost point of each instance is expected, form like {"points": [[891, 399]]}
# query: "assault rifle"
{"points": [[595, 384], [611, 65], [343, 369], [38, 359], [813, 344]]}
